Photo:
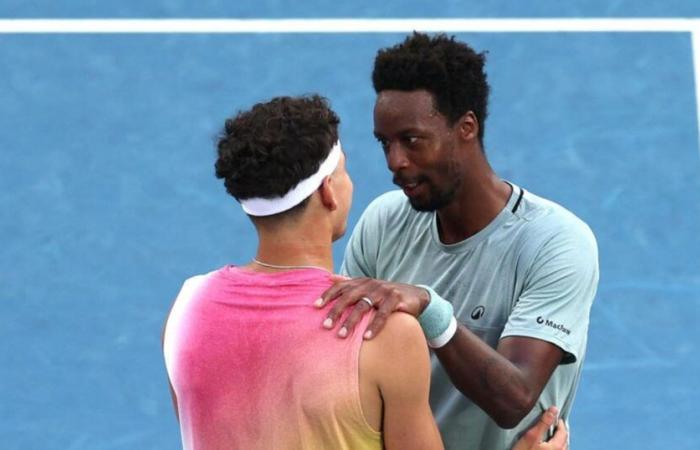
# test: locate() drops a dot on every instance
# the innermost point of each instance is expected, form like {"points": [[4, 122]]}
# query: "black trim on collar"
{"points": [[517, 203]]}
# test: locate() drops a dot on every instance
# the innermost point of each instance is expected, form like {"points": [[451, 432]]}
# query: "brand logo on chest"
{"points": [[478, 312]]}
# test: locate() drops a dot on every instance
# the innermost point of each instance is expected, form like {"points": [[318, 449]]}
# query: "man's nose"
{"points": [[396, 157]]}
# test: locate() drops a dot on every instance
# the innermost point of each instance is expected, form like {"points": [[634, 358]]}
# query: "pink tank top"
{"points": [[252, 367]]}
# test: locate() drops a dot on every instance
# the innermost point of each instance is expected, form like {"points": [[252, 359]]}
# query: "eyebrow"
{"points": [[411, 129]]}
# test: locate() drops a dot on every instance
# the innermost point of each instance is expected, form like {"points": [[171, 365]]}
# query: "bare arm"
{"points": [[505, 382], [170, 385], [174, 399], [398, 361]]}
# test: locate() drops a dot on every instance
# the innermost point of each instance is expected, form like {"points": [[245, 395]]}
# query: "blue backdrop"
{"points": [[109, 201]]}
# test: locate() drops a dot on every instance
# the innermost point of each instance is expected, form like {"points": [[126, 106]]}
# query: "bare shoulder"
{"points": [[401, 330], [398, 363], [399, 349]]}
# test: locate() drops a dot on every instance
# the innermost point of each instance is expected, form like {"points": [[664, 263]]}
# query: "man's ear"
{"points": [[468, 126], [327, 194]]}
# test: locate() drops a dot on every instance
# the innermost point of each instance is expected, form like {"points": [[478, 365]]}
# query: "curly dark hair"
{"points": [[268, 150], [451, 70]]}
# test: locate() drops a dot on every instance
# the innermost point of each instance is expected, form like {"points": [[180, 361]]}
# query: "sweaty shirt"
{"points": [[533, 271], [253, 369]]}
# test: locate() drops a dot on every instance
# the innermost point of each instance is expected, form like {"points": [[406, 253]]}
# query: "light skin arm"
{"points": [[399, 364], [534, 438], [504, 382], [170, 385]]}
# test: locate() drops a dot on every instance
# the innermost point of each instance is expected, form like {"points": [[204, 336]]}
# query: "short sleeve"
{"points": [[559, 288]]}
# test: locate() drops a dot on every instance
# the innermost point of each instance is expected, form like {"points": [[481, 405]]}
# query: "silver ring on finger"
{"points": [[368, 301]]}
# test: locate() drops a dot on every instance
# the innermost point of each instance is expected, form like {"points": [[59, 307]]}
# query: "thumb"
{"points": [[404, 307], [549, 417], [533, 437], [547, 420], [335, 278]]}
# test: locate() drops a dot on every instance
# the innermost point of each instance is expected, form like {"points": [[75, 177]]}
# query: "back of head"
{"points": [[266, 151], [450, 70]]}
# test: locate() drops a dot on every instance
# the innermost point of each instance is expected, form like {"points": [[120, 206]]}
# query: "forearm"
{"points": [[487, 378]]}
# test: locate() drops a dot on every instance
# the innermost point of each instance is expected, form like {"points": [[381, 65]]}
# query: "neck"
{"points": [[299, 244], [480, 198]]}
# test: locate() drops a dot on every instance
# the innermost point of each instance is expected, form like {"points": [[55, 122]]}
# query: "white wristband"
{"points": [[445, 337]]}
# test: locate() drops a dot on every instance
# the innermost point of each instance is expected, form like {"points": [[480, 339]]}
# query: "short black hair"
{"points": [[450, 70], [268, 150]]}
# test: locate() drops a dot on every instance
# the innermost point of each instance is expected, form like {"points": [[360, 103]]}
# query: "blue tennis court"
{"points": [[109, 200]]}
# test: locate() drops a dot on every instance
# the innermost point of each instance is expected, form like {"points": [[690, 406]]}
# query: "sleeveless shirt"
{"points": [[251, 366]]}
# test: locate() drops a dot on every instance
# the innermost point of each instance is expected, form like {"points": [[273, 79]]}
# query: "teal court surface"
{"points": [[109, 201]]}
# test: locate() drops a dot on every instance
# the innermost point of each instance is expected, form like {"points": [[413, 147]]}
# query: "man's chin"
{"points": [[423, 206], [430, 203]]}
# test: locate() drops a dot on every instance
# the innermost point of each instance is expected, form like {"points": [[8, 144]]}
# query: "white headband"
{"points": [[268, 206]]}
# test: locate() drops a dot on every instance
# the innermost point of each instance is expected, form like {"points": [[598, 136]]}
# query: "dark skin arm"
{"points": [[505, 382]]}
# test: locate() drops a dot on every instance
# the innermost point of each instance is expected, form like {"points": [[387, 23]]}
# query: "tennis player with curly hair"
{"points": [[249, 364]]}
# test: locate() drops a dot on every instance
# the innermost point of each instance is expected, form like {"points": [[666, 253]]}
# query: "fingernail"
{"points": [[328, 323], [319, 302], [343, 332], [368, 334]]}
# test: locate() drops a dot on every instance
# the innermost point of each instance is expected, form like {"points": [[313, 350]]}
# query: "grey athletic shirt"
{"points": [[533, 271]]}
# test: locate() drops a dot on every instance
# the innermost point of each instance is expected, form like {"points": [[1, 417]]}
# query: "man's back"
{"points": [[251, 369]]}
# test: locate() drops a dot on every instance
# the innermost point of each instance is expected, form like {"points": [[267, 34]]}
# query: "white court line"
{"points": [[229, 26], [523, 25], [695, 40]]}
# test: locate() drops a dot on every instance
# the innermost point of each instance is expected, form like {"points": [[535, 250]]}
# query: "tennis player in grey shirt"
{"points": [[501, 280], [529, 273]]}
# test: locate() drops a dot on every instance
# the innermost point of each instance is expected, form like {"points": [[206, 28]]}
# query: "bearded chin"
{"points": [[435, 201]]}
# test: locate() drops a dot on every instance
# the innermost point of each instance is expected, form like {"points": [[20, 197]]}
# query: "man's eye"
{"points": [[411, 140]]}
